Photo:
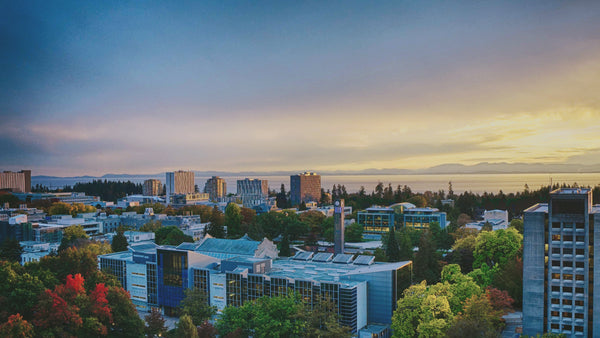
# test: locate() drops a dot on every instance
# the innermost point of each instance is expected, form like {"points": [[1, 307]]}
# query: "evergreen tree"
{"points": [[155, 323], [186, 328], [233, 220], [119, 242], [393, 251], [426, 265], [215, 228], [406, 247], [11, 250], [284, 247], [282, 201]]}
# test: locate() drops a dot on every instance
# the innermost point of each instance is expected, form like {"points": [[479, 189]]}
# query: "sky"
{"points": [[141, 87]]}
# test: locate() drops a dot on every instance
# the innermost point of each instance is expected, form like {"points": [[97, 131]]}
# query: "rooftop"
{"points": [[570, 191], [242, 246]]}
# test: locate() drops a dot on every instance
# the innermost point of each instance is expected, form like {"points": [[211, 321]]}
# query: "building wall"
{"points": [[305, 187], [16, 181], [152, 187], [376, 222], [252, 191], [533, 280], [137, 285], [595, 222], [180, 182], [216, 188]]}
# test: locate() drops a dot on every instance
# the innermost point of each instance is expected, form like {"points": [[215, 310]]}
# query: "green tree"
{"points": [[496, 247], [151, 226], [171, 235], [392, 248], [72, 236], [233, 221], [426, 264], [196, 305], [186, 327], [353, 232], [215, 228], [155, 323], [421, 313], [119, 242], [265, 317], [517, 224], [284, 247], [418, 200], [323, 321], [126, 322], [405, 246], [11, 250]]}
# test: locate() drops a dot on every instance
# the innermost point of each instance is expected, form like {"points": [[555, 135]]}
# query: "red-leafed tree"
{"points": [[499, 299], [55, 316], [16, 327]]}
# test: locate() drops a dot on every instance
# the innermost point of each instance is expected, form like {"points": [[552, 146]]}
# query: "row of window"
{"points": [[566, 327], [568, 264], [568, 238], [568, 276], [566, 289], [568, 251], [567, 302], [566, 314]]}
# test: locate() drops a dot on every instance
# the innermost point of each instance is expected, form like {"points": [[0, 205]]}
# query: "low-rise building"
{"points": [[421, 218], [376, 220], [363, 292]]}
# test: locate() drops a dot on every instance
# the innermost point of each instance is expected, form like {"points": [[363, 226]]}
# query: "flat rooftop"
{"points": [[570, 191]]}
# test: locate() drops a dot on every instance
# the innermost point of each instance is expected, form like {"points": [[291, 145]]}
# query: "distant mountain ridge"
{"points": [[449, 168]]}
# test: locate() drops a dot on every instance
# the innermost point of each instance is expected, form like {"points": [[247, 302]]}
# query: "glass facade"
{"points": [[116, 267], [172, 279], [152, 284], [236, 289]]}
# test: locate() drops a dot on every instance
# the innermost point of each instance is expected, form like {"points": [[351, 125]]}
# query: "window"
{"points": [[556, 251], [578, 290], [579, 264], [568, 264], [579, 251], [566, 314], [568, 276], [567, 251], [578, 316], [579, 277], [567, 302], [567, 289], [556, 288], [578, 303], [556, 237]]}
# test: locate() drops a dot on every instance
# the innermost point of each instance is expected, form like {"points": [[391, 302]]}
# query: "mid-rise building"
{"points": [[179, 182], [152, 187], [233, 272], [561, 274], [253, 192], [216, 188], [305, 187], [376, 220], [16, 181], [421, 218]]}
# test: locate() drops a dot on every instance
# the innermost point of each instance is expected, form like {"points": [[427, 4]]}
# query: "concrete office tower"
{"points": [[560, 273], [338, 226], [215, 187], [305, 187], [16, 181], [152, 187], [179, 182], [252, 191]]}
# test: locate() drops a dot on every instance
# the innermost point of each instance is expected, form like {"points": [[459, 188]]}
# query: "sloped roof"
{"points": [[242, 246]]}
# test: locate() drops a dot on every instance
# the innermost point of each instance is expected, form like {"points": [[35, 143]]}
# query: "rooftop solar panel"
{"points": [[303, 256], [343, 258], [323, 257], [364, 260]]}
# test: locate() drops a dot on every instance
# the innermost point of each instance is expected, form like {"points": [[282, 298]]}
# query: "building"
{"points": [[559, 246], [376, 220], [16, 181], [420, 218], [497, 219], [152, 187], [179, 182], [216, 188], [181, 200], [253, 192], [363, 291], [305, 187], [17, 228]]}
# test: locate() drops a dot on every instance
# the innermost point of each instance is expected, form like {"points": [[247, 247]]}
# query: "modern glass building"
{"points": [[420, 218], [376, 220], [362, 291], [561, 273]]}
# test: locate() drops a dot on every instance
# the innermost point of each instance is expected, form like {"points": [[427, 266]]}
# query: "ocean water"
{"points": [[477, 183]]}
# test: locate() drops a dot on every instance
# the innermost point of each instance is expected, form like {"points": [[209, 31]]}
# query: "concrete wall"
{"points": [[533, 272]]}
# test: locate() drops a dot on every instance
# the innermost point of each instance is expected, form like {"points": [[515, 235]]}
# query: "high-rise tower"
{"points": [[305, 187], [560, 274]]}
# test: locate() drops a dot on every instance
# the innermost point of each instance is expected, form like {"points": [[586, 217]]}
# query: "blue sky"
{"points": [[143, 87]]}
